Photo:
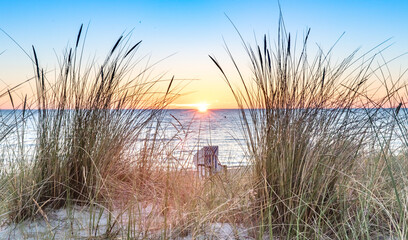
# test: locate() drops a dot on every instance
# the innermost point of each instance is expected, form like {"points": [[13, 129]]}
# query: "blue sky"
{"points": [[191, 30]]}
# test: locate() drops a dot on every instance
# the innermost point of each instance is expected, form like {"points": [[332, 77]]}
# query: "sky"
{"points": [[181, 34]]}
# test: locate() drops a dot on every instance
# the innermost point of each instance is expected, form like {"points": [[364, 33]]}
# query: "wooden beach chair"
{"points": [[206, 161]]}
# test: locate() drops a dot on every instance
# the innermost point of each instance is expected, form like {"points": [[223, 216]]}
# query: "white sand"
{"points": [[81, 222]]}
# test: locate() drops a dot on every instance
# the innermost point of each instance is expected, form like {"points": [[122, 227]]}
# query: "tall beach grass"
{"points": [[323, 163], [88, 121], [308, 138]]}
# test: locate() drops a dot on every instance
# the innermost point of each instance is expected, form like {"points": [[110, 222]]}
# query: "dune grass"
{"points": [[322, 154], [88, 122], [307, 141]]}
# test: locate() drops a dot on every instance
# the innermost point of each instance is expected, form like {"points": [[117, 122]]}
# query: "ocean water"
{"points": [[186, 130], [220, 128], [223, 128], [189, 130]]}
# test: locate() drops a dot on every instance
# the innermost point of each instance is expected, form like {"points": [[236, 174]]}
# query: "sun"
{"points": [[202, 107]]}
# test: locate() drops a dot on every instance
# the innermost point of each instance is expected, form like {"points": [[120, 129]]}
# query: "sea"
{"points": [[188, 130], [220, 127]]}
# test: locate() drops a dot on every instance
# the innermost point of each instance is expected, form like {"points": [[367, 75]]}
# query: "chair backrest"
{"points": [[211, 157]]}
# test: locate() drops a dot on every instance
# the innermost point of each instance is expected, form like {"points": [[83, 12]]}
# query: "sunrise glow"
{"points": [[202, 107], [187, 32]]}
